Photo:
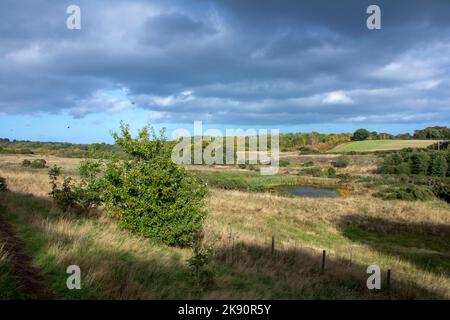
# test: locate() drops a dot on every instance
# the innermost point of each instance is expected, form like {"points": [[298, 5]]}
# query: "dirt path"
{"points": [[30, 278]]}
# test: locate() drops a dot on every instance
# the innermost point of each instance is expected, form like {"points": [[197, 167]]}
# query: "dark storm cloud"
{"points": [[231, 62]]}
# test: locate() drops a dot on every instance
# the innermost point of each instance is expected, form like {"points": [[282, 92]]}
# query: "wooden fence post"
{"points": [[388, 280], [324, 253], [273, 245]]}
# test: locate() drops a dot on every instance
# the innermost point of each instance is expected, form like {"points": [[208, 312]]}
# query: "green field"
{"points": [[381, 145]]}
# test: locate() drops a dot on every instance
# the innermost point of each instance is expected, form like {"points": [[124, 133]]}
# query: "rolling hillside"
{"points": [[380, 145]]}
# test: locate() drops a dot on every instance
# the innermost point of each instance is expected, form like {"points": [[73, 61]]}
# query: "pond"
{"points": [[302, 191]]}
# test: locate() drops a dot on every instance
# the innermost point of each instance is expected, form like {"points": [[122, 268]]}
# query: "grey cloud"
{"points": [[257, 62]]}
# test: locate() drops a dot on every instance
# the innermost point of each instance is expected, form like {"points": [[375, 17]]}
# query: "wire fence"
{"points": [[327, 261]]}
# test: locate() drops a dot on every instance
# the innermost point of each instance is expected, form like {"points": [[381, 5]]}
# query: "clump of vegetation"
{"points": [[36, 164], [424, 163], [308, 164], [342, 162], [442, 190], [3, 185], [199, 262], [248, 166], [229, 183], [419, 163], [360, 135], [408, 192], [64, 196], [331, 172], [82, 196], [438, 164], [150, 194], [284, 163], [312, 171]]}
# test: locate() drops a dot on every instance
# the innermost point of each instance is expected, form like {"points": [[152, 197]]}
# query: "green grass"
{"points": [[9, 284], [380, 145], [118, 265]]}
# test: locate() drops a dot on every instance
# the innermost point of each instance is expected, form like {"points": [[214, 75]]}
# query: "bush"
{"points": [[38, 164], [88, 191], [420, 163], [331, 172], [229, 183], [442, 190], [308, 164], [342, 162], [438, 165], [448, 163], [3, 185], [150, 194], [199, 261], [65, 196], [284, 163], [26, 163], [82, 196], [408, 193], [312, 171]]}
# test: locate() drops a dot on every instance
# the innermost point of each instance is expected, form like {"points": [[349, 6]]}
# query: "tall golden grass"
{"points": [[119, 265]]}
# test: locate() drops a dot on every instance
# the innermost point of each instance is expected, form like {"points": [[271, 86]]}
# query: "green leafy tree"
{"points": [[150, 194], [360, 135]]}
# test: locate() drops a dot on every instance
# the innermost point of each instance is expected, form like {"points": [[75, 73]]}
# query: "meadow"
{"points": [[410, 238], [380, 145]]}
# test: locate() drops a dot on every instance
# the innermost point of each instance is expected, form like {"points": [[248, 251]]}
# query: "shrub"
{"points": [[312, 171], [26, 163], [284, 163], [403, 168], [342, 162], [38, 164], [82, 196], [442, 190], [344, 176], [420, 163], [229, 183], [448, 163], [408, 193], [88, 191], [438, 165], [308, 164], [199, 261], [150, 194], [65, 196], [3, 185], [331, 172]]}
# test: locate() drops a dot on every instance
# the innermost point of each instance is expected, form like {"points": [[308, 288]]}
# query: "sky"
{"points": [[293, 65]]}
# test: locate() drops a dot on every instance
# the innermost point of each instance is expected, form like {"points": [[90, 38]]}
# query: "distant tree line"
{"points": [[432, 133], [311, 142]]}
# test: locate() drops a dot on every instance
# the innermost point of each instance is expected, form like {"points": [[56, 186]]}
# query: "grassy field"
{"points": [[380, 145], [411, 239]]}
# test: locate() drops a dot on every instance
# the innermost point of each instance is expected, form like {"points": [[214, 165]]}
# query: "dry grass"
{"points": [[118, 265]]}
